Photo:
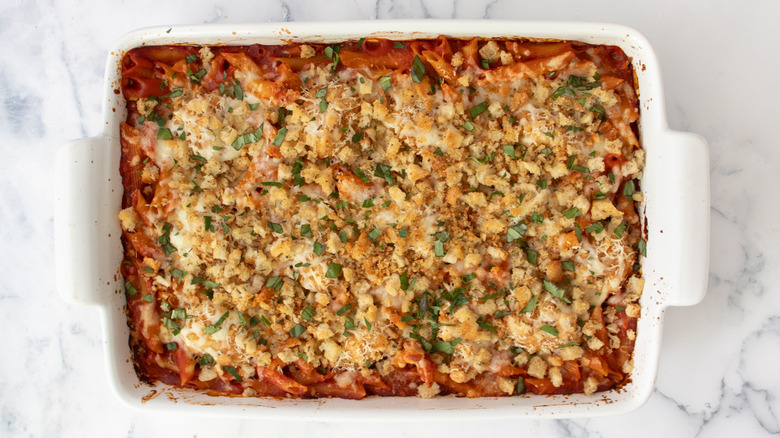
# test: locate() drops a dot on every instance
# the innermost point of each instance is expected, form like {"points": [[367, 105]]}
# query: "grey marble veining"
{"points": [[718, 369]]}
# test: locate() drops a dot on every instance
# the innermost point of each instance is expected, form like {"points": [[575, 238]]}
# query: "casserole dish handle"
{"points": [[688, 283], [83, 256]]}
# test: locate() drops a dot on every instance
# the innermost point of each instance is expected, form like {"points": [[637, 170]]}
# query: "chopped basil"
{"points": [[276, 282], [418, 69], [384, 82], [321, 93], [343, 237], [206, 360], [477, 110], [383, 171], [271, 184], [486, 325], [595, 228], [403, 232], [318, 248], [445, 347], [555, 291], [297, 330], [443, 235], [469, 277], [191, 58], [485, 159], [628, 189], [207, 225], [531, 305], [520, 388], [130, 289], [642, 246], [149, 298], [578, 232], [343, 310], [404, 281], [572, 213], [568, 344], [619, 309], [438, 248], [580, 168], [568, 265], [516, 232], [217, 326], [249, 138], [277, 141], [510, 150], [323, 105], [360, 43], [532, 256], [334, 270], [620, 229], [542, 183], [494, 194], [368, 203], [233, 373], [253, 106], [305, 230], [456, 297], [164, 134], [549, 329], [197, 76], [362, 175], [332, 52], [176, 92], [276, 228], [374, 234], [438, 152], [468, 126], [308, 313], [210, 284], [398, 46]]}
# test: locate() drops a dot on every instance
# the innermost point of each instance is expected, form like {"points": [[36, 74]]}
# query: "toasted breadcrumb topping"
{"points": [[485, 222]]}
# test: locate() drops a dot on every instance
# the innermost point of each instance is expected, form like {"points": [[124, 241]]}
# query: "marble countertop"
{"points": [[718, 373]]}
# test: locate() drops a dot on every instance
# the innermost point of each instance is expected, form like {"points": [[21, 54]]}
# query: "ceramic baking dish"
{"points": [[675, 185]]}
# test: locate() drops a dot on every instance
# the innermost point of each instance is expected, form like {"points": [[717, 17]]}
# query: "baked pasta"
{"points": [[390, 218]]}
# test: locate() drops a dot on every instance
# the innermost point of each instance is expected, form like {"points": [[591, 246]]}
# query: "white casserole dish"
{"points": [[675, 185]]}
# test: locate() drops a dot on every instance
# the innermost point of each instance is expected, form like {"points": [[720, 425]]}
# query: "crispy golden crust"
{"points": [[370, 222]]}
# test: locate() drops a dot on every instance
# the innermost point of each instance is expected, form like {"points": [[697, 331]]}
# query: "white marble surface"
{"points": [[719, 363]]}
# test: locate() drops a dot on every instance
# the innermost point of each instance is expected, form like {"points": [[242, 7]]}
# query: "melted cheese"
{"points": [[327, 235]]}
